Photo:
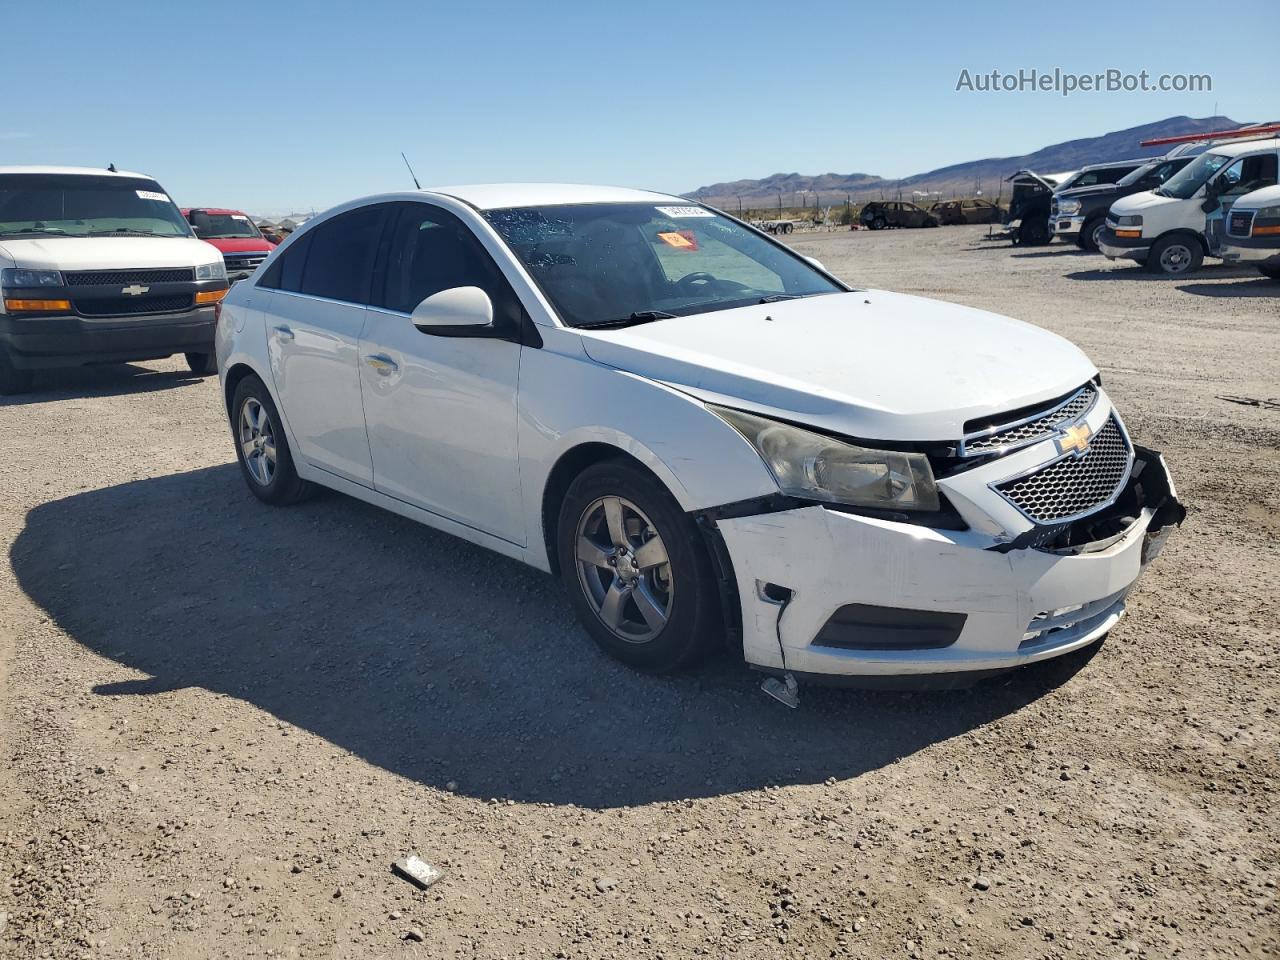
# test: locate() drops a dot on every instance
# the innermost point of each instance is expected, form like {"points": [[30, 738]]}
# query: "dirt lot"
{"points": [[222, 722]]}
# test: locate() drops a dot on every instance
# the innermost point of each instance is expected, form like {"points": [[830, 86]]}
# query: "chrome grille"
{"points": [[1073, 486], [243, 261], [1038, 426], [90, 278]]}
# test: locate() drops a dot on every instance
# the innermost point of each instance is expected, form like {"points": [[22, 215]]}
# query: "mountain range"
{"points": [[959, 179]]}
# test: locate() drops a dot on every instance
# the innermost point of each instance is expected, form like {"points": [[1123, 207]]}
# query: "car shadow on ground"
{"points": [[1061, 252], [1257, 287], [1139, 272], [108, 380], [435, 659]]}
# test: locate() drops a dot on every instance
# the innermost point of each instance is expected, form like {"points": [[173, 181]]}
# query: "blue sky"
{"points": [[281, 106]]}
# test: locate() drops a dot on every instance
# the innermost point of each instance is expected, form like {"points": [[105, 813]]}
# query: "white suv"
{"points": [[702, 432], [99, 266]]}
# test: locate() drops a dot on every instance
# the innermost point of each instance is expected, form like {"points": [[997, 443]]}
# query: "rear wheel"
{"points": [[204, 364], [637, 574], [878, 223], [262, 448], [1175, 256], [12, 380]]}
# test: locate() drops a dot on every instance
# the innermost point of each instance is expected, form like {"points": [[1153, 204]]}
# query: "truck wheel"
{"points": [[12, 380], [1091, 234], [638, 576], [1175, 256], [786, 228], [202, 364]]}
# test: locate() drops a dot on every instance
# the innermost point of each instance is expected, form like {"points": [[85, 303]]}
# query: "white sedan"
{"points": [[707, 436]]}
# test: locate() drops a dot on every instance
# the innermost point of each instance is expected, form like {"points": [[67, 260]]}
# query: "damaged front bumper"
{"points": [[833, 593]]}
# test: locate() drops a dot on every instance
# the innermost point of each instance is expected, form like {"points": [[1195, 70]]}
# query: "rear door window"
{"points": [[339, 264]]}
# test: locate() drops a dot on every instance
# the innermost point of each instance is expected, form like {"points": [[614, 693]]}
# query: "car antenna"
{"points": [[111, 167], [411, 173]]}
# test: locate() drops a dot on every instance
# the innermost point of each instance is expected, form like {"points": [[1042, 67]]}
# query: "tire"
{"points": [[203, 364], [1033, 233], [12, 380], [1090, 234], [657, 616], [878, 223], [276, 483], [1175, 256], [787, 228], [1271, 273]]}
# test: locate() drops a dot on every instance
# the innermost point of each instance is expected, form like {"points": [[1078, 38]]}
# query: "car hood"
{"points": [[869, 364], [1136, 203], [240, 244], [1080, 193], [107, 253]]}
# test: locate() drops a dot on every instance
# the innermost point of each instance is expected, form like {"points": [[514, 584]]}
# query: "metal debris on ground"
{"points": [[417, 871], [785, 691], [1269, 404]]}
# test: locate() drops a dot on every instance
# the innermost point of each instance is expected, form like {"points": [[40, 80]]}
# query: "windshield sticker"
{"points": [[151, 195], [680, 239], [238, 216], [684, 212]]}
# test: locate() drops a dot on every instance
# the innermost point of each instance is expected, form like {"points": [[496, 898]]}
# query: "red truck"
{"points": [[242, 244]]}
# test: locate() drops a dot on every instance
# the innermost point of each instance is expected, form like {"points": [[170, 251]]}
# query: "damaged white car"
{"points": [[704, 434]]}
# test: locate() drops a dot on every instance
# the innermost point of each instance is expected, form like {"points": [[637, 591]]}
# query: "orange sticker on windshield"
{"points": [[680, 239]]}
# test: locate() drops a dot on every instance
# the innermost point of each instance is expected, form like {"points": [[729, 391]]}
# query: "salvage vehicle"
{"points": [[1253, 232], [1031, 203], [242, 244], [952, 212], [99, 266], [1172, 228], [1080, 213], [700, 431], [880, 214]]}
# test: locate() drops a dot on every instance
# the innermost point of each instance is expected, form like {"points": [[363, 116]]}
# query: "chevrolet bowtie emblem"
{"points": [[135, 290], [1075, 439]]}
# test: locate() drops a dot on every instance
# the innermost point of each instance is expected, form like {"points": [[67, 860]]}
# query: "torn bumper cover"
{"points": [[824, 591]]}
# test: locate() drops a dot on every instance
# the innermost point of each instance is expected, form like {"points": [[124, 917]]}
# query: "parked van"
{"points": [[1079, 213], [99, 266], [1253, 232], [1172, 228]]}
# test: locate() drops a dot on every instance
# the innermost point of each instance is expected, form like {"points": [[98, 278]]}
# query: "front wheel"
{"points": [[202, 364], [261, 446], [1175, 256], [1090, 237], [637, 573]]}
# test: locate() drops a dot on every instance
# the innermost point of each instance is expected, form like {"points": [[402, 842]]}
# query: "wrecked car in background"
{"points": [[880, 214], [701, 432], [953, 212]]}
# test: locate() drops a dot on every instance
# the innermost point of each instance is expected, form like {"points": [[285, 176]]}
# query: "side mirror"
{"points": [[456, 312], [817, 263]]}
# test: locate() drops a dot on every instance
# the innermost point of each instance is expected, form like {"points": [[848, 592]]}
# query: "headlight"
{"points": [[21, 277], [1268, 213], [211, 271], [1129, 221], [815, 467], [1068, 207]]}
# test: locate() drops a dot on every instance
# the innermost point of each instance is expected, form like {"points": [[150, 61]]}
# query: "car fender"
{"points": [[700, 459]]}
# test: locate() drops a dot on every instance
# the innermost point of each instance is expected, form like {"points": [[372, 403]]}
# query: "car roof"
{"points": [[494, 196], [218, 211], [1236, 148], [77, 171]]}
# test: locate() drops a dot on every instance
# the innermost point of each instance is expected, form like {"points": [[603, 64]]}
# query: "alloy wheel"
{"points": [[624, 569], [257, 441]]}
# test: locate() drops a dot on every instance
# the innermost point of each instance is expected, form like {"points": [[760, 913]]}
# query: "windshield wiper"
{"points": [[130, 231], [775, 297], [640, 316], [39, 233]]}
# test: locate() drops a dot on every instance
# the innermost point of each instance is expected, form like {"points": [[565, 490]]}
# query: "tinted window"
{"points": [[285, 272], [432, 250], [339, 264], [79, 205]]}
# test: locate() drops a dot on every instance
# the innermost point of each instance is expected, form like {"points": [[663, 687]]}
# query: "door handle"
{"points": [[284, 333], [382, 363]]}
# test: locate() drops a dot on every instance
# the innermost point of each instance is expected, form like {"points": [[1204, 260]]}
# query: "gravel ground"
{"points": [[222, 722]]}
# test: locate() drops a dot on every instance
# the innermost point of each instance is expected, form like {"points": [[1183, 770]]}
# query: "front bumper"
{"points": [[42, 342], [1116, 248], [1066, 226], [1254, 251], [958, 601]]}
